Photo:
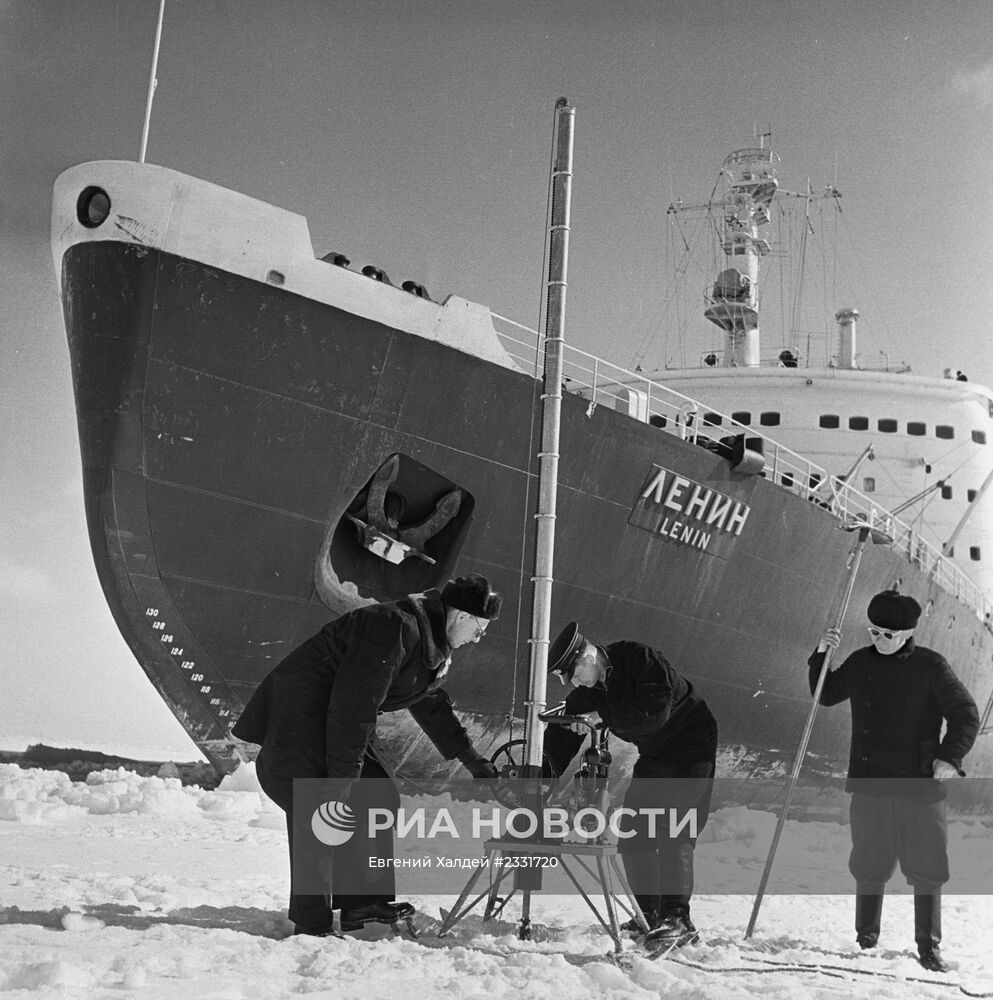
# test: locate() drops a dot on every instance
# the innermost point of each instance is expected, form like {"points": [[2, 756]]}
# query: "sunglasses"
{"points": [[877, 632]]}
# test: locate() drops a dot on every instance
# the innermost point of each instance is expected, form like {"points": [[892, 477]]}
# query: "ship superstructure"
{"points": [[919, 447]]}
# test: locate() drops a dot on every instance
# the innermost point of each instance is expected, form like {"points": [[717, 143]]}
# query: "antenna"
{"points": [[152, 83]]}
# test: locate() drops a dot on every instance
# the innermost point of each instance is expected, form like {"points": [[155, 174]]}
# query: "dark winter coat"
{"points": [[645, 702], [315, 713], [898, 703]]}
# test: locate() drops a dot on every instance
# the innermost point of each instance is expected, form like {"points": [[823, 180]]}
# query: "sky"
{"points": [[417, 136]]}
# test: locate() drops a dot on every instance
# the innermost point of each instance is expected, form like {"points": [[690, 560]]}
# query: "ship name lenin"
{"points": [[686, 511]]}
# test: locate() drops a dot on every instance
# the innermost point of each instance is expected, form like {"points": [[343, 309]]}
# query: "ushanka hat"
{"points": [[472, 594], [564, 652], [895, 611]]}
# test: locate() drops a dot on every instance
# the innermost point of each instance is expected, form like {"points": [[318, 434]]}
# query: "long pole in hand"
{"points": [[808, 728]]}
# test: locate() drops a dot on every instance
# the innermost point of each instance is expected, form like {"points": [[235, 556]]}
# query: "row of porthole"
{"points": [[869, 486], [887, 425], [974, 553], [831, 421]]}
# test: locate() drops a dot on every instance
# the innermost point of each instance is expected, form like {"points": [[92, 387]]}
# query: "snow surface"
{"points": [[129, 886]]}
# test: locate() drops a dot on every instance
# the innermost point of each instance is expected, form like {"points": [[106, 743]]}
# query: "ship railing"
{"points": [[523, 345], [651, 402], [854, 507], [750, 154]]}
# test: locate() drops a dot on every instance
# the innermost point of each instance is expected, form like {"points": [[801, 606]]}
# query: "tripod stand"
{"points": [[527, 859]]}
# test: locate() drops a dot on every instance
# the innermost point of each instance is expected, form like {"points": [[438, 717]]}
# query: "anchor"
{"points": [[378, 521]]}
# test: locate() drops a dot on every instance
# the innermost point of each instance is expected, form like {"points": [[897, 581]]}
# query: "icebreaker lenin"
{"points": [[900, 695], [315, 713]]}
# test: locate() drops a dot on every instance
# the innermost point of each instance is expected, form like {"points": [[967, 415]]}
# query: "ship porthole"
{"points": [[93, 207]]}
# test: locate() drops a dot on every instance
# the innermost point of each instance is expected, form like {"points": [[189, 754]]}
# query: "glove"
{"points": [[478, 766]]}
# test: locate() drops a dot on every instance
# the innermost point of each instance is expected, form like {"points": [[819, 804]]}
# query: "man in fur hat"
{"points": [[900, 694], [314, 716], [642, 699]]}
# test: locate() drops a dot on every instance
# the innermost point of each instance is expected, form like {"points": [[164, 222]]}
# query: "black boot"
{"points": [[673, 930], [380, 912], [927, 931], [868, 913], [633, 927], [323, 932], [650, 908]]}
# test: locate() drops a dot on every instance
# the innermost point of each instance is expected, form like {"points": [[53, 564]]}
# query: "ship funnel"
{"points": [[846, 319]]}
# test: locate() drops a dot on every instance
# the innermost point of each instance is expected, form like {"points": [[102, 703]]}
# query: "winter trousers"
{"points": [[887, 830], [311, 909], [659, 863]]}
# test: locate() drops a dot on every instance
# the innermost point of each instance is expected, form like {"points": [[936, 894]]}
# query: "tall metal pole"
{"points": [[548, 457], [560, 193], [152, 83], [808, 728]]}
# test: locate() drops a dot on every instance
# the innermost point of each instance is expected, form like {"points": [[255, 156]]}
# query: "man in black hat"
{"points": [[900, 695], [641, 699], [315, 717]]}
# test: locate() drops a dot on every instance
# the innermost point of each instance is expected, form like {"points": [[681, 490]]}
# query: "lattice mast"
{"points": [[733, 300]]}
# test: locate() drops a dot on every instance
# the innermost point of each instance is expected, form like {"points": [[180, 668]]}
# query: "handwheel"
{"points": [[509, 760]]}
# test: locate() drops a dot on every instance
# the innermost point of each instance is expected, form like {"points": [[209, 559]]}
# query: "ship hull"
{"points": [[228, 427]]}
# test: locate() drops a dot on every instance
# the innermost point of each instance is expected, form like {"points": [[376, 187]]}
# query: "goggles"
{"points": [[887, 633]]}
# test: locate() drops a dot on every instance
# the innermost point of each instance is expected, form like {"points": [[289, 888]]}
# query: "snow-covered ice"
{"points": [[129, 886]]}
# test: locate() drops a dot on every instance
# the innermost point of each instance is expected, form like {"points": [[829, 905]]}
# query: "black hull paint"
{"points": [[226, 425]]}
